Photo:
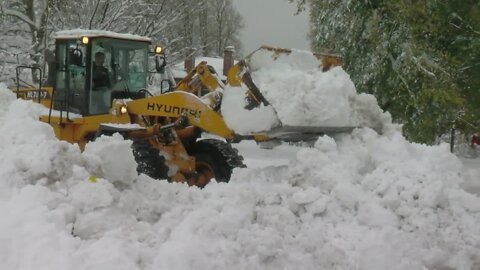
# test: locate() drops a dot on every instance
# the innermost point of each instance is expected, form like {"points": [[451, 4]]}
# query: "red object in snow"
{"points": [[475, 139]]}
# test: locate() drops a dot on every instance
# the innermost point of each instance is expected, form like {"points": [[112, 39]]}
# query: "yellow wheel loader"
{"points": [[97, 86]]}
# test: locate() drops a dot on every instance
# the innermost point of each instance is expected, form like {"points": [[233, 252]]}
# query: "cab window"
{"points": [[118, 67], [70, 77]]}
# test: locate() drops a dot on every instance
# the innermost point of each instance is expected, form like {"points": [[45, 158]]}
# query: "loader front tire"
{"points": [[149, 161], [208, 168], [214, 159]]}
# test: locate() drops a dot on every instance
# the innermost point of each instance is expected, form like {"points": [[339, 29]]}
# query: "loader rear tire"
{"points": [[149, 161], [214, 159]]}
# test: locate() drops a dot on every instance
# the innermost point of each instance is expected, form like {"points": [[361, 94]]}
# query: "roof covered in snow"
{"points": [[78, 33]]}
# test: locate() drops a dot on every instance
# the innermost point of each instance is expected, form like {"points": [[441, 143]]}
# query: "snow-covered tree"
{"points": [[26, 22], [178, 25], [227, 23], [210, 27], [14, 46]]}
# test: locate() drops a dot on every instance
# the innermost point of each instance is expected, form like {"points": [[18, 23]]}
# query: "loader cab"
{"points": [[85, 85]]}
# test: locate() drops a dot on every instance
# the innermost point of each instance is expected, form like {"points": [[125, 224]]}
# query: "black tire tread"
{"points": [[220, 155], [149, 161]]}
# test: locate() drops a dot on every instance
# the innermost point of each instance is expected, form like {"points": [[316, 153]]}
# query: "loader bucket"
{"points": [[324, 60], [283, 82], [263, 57]]}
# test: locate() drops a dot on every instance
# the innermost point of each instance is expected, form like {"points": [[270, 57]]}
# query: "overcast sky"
{"points": [[272, 22]]}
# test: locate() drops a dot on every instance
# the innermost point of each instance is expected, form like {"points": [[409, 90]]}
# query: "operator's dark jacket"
{"points": [[100, 77]]}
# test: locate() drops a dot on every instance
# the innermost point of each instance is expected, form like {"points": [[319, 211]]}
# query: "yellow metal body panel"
{"points": [[77, 130], [180, 103], [204, 79], [212, 82], [233, 75]]}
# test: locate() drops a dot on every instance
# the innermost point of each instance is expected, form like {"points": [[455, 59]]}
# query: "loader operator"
{"points": [[100, 85], [100, 73]]}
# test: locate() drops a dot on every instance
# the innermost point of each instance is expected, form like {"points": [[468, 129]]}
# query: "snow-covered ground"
{"points": [[356, 201], [471, 182]]}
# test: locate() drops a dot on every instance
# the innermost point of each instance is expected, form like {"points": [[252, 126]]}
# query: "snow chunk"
{"points": [[373, 215], [312, 98], [6, 97], [111, 158], [244, 121]]}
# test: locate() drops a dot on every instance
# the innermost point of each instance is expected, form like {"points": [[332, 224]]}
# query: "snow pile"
{"points": [[363, 201], [6, 98], [393, 204], [302, 95]]}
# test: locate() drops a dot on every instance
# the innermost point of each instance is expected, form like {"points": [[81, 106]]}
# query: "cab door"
{"points": [[71, 77]]}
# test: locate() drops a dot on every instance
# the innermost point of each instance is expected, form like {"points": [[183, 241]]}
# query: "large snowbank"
{"points": [[362, 201], [301, 94]]}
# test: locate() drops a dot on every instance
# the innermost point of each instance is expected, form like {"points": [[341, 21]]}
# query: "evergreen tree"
{"points": [[420, 59]]}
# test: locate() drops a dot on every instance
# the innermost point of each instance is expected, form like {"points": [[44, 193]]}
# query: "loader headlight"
{"points": [[85, 40], [123, 109]]}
